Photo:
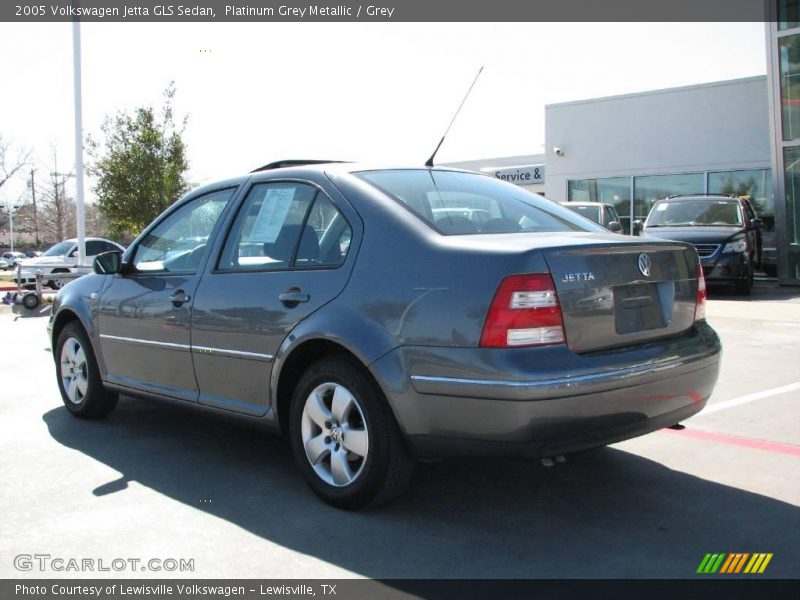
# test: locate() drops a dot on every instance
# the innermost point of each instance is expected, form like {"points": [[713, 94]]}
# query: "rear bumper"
{"points": [[540, 402]]}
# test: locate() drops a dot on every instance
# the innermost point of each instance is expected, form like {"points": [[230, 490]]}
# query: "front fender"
{"points": [[79, 300]]}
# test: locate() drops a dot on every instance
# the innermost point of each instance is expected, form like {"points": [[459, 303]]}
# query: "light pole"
{"points": [[79, 206], [10, 211]]}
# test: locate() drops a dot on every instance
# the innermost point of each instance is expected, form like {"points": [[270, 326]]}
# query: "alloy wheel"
{"points": [[334, 434], [74, 370]]}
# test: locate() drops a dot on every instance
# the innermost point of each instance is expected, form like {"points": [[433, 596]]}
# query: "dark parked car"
{"points": [[600, 212], [339, 305], [725, 232]]}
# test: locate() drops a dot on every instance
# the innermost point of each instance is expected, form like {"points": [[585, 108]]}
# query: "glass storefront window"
{"points": [[789, 49], [650, 188], [788, 14], [757, 184], [791, 161], [612, 190]]}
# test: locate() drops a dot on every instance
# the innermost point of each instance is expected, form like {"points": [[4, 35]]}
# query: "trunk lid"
{"points": [[621, 294]]}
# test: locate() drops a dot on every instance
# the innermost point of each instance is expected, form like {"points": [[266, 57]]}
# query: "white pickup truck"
{"points": [[63, 258]]}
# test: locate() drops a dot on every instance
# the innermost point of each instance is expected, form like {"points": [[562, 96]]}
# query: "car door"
{"points": [[144, 314], [284, 257]]}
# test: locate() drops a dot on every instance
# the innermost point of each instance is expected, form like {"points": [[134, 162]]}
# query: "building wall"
{"points": [[708, 127]]}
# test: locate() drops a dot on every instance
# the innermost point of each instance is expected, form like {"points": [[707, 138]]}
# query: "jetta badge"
{"points": [[644, 264], [575, 277]]}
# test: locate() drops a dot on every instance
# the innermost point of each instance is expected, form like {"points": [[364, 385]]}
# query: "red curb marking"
{"points": [[737, 441]]}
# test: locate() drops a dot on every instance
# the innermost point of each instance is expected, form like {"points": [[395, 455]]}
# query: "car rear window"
{"points": [[457, 203]]}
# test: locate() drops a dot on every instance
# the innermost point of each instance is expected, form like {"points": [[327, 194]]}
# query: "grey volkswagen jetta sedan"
{"points": [[364, 313]]}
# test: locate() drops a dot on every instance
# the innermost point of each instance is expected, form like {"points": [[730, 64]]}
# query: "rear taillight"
{"points": [[524, 312], [700, 302]]}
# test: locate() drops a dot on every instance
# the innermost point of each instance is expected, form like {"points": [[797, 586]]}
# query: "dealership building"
{"points": [[633, 149], [739, 137]]}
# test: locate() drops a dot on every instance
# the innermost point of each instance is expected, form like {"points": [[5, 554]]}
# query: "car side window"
{"points": [[284, 225], [107, 247], [93, 248], [178, 243], [328, 230]]}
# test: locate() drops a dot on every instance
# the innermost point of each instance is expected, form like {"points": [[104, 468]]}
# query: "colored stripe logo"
{"points": [[734, 562]]}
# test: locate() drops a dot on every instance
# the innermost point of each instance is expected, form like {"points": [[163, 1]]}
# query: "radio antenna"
{"points": [[429, 162]]}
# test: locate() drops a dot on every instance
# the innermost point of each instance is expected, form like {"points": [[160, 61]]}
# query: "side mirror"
{"points": [[614, 226], [756, 224], [108, 263], [638, 226]]}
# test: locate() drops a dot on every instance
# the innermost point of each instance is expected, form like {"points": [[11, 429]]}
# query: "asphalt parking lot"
{"points": [[156, 481]]}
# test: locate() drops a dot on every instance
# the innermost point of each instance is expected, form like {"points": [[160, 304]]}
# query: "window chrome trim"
{"points": [[200, 349]]}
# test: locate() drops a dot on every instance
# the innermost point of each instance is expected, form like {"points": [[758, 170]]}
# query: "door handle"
{"points": [[179, 298], [293, 296]]}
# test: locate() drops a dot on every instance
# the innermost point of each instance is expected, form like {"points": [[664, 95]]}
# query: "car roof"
{"points": [[710, 197], [321, 168], [88, 239]]}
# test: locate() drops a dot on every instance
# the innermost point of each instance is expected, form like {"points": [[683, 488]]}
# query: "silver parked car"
{"points": [[377, 316], [601, 213], [12, 259]]}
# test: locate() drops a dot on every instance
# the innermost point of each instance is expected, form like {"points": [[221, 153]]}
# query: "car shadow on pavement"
{"points": [[605, 513], [41, 311]]}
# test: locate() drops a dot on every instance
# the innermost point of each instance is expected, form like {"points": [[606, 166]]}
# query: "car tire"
{"points": [[334, 400], [57, 284], [30, 300], [78, 376]]}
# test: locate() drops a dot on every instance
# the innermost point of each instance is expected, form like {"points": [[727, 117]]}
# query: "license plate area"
{"points": [[639, 307]]}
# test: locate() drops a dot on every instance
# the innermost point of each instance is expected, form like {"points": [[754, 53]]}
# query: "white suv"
{"points": [[63, 258]]}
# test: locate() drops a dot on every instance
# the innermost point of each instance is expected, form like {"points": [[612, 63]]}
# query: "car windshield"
{"points": [[695, 213], [590, 212], [60, 249], [457, 203]]}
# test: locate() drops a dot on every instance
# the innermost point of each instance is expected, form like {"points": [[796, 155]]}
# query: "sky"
{"points": [[377, 92]]}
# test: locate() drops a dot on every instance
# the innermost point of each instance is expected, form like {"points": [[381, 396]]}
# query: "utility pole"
{"points": [[61, 209], [35, 212]]}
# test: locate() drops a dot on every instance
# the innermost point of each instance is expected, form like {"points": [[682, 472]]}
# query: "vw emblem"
{"points": [[644, 264]]}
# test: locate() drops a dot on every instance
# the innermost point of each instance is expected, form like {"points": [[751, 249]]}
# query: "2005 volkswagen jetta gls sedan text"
{"points": [[377, 316]]}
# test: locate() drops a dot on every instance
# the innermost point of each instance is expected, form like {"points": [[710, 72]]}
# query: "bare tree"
{"points": [[11, 160], [57, 212]]}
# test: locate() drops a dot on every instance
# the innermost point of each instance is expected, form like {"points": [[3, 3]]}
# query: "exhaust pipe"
{"points": [[549, 461]]}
